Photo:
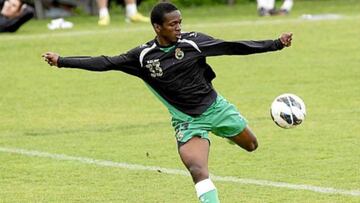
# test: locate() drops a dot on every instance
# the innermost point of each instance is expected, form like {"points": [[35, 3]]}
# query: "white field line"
{"points": [[148, 28], [230, 179]]}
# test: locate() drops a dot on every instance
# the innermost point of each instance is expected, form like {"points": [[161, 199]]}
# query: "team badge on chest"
{"points": [[179, 54]]}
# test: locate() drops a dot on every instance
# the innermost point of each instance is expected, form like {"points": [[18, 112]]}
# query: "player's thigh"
{"points": [[226, 120], [195, 151], [194, 154]]}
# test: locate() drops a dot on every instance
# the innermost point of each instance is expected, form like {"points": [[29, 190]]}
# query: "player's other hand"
{"points": [[51, 58], [286, 38]]}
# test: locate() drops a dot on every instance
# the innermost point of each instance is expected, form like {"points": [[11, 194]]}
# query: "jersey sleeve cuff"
{"points": [[60, 62], [279, 45]]}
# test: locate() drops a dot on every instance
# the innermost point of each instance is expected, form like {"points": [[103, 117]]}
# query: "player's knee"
{"points": [[252, 146], [198, 172]]}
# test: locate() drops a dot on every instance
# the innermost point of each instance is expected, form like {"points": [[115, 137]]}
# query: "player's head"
{"points": [[11, 8], [166, 20], [159, 11]]}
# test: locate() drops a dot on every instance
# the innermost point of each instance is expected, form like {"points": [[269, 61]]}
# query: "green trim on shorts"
{"points": [[221, 118]]}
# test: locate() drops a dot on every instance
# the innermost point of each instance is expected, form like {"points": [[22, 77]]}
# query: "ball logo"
{"points": [[179, 54], [288, 110]]}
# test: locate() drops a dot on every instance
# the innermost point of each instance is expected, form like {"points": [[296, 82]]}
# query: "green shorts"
{"points": [[221, 118]]}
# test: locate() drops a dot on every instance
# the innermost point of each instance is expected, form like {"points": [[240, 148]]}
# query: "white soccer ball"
{"points": [[288, 110]]}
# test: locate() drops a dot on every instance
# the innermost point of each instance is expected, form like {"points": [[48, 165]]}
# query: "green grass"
{"points": [[113, 116]]}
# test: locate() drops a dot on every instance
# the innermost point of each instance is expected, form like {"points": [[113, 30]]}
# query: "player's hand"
{"points": [[286, 38], [51, 58]]}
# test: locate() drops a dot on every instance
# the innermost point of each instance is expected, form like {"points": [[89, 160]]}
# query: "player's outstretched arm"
{"points": [[286, 39], [127, 62], [215, 47], [51, 58]]}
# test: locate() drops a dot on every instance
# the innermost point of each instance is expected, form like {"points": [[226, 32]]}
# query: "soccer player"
{"points": [[173, 66]]}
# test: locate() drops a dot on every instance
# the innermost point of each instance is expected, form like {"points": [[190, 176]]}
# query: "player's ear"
{"points": [[157, 27]]}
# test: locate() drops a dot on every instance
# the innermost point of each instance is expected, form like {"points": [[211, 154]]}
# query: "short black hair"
{"points": [[159, 10]]}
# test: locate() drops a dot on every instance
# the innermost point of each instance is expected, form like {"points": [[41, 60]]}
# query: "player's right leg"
{"points": [[193, 145], [194, 154]]}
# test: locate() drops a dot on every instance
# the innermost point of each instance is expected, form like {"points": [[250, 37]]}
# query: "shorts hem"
{"points": [[233, 134], [181, 143]]}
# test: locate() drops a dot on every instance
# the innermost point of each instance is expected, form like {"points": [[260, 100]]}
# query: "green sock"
{"points": [[210, 197], [206, 191]]}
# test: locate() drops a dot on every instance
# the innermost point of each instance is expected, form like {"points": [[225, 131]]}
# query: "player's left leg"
{"points": [[229, 123], [246, 140]]}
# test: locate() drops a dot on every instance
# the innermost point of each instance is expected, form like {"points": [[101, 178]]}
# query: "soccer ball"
{"points": [[288, 110]]}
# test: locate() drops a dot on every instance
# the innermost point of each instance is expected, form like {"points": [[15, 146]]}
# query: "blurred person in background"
{"points": [[267, 7], [132, 14], [14, 13]]}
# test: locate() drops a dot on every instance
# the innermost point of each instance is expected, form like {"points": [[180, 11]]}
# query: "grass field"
{"points": [[59, 127]]}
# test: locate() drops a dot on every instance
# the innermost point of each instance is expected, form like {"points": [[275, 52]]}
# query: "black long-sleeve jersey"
{"points": [[178, 73]]}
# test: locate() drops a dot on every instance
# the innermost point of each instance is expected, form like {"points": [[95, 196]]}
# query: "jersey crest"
{"points": [[179, 54]]}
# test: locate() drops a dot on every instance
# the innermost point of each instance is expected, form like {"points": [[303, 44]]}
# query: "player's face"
{"points": [[170, 31], [11, 8]]}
